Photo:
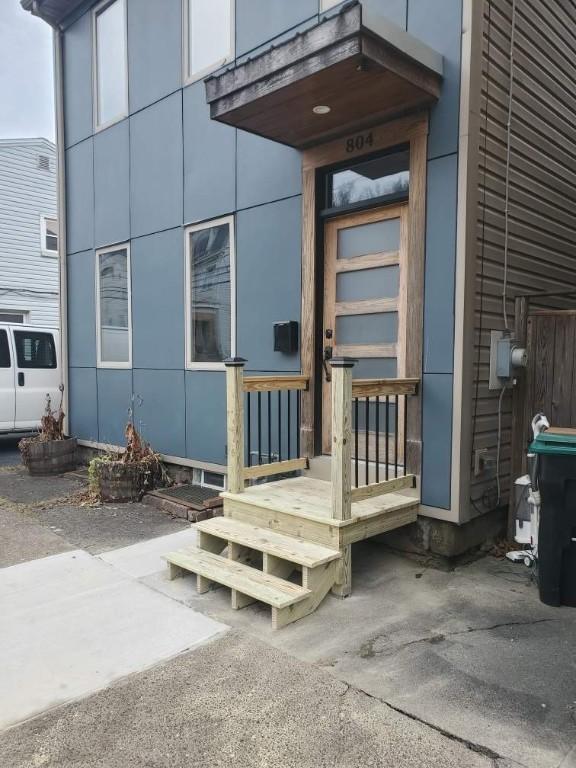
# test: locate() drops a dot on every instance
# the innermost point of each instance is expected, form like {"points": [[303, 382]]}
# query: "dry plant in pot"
{"points": [[50, 452], [127, 476]]}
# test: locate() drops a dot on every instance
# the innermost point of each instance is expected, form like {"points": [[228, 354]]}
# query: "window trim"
{"points": [[99, 362], [326, 5], [96, 11], [45, 251], [204, 366], [188, 78]]}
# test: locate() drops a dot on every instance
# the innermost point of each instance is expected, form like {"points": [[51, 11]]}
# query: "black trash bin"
{"points": [[556, 450]]}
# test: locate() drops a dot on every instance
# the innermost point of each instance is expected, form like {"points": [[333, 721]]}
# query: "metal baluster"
{"points": [[270, 427], [279, 425], [356, 442], [387, 435], [377, 438], [396, 437], [366, 436], [249, 427], [259, 428], [298, 393], [289, 421], [405, 447]]}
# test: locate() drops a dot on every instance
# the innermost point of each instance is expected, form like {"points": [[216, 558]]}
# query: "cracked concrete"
{"points": [[472, 653]]}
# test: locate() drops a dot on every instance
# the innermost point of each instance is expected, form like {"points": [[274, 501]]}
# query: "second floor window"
{"points": [[209, 32], [111, 76], [49, 235]]}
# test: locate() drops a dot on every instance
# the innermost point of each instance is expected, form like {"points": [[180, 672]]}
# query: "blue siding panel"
{"points": [[393, 10], [267, 170], [78, 81], [81, 310], [112, 185], [268, 244], [257, 21], [156, 176], [436, 439], [440, 265], [206, 416], [157, 263], [441, 30], [159, 410], [80, 197], [83, 403], [154, 50], [209, 160], [114, 403]]}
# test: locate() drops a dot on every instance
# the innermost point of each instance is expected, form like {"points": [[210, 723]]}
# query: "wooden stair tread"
{"points": [[291, 548], [249, 581], [311, 499]]}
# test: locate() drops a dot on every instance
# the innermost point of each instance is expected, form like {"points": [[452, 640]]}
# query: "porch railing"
{"points": [[368, 431], [263, 418], [369, 436]]}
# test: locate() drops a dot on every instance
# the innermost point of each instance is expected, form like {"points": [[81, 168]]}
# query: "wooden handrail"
{"points": [[274, 383], [384, 387]]}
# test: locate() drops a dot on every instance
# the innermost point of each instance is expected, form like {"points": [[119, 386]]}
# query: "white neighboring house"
{"points": [[28, 232]]}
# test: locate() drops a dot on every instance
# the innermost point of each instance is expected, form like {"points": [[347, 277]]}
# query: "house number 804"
{"points": [[359, 142]]}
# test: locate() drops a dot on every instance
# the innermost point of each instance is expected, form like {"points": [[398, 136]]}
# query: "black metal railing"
{"points": [[272, 425]]}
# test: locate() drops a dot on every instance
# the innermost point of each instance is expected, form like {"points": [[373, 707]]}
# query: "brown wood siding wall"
{"points": [[542, 196]]}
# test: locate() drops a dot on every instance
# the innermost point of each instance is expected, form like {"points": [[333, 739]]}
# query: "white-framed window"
{"points": [[110, 62], [210, 294], [113, 307], [206, 478], [49, 236], [6, 316], [208, 36]]}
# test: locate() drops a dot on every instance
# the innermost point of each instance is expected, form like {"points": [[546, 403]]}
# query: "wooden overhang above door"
{"points": [[363, 67]]}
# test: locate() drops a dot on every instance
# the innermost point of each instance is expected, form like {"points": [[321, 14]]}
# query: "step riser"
{"points": [[311, 530]]}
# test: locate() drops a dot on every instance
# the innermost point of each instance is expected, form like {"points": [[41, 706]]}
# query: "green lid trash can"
{"points": [[556, 451]]}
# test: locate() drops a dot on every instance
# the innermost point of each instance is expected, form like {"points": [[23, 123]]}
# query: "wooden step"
{"points": [[291, 548], [249, 581]]}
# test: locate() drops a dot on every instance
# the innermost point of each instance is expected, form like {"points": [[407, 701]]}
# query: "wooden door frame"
{"points": [[412, 130]]}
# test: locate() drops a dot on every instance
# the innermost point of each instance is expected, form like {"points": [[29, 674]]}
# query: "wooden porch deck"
{"points": [[288, 542]]}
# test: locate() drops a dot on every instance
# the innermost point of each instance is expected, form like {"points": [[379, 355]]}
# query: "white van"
{"points": [[29, 370]]}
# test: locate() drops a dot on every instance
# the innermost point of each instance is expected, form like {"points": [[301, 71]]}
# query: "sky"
{"points": [[26, 74]]}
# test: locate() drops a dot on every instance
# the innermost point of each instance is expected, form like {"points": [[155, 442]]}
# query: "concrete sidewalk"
{"points": [[71, 624]]}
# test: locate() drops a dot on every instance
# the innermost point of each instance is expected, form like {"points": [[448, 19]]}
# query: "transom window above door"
{"points": [[377, 181], [209, 36]]}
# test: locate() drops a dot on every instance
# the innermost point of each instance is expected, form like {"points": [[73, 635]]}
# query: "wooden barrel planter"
{"points": [[118, 481], [50, 457]]}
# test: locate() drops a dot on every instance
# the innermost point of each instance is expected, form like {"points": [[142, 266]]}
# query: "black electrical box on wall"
{"points": [[286, 337]]}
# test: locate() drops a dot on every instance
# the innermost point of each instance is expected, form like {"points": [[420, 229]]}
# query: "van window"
{"points": [[35, 349], [4, 350]]}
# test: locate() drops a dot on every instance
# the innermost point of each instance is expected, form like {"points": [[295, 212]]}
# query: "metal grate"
{"points": [[191, 494]]}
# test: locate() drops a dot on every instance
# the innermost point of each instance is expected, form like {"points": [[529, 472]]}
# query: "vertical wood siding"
{"points": [[28, 280], [542, 192]]}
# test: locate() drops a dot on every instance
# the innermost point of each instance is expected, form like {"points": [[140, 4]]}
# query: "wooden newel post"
{"points": [[342, 462], [235, 422]]}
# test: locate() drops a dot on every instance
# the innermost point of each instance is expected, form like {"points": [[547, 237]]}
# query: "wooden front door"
{"points": [[364, 297]]}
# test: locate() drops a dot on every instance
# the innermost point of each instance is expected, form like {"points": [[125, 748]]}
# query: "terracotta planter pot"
{"points": [[121, 482], [50, 457]]}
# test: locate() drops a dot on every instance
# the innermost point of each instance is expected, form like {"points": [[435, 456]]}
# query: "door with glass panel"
{"points": [[365, 303]]}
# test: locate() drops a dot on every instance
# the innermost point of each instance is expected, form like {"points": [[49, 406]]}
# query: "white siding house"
{"points": [[28, 232]]}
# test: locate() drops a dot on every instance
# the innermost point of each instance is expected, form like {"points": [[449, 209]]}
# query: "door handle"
{"points": [[327, 356], [20, 379]]}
